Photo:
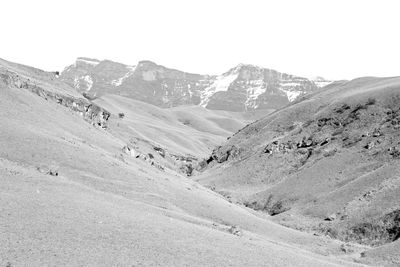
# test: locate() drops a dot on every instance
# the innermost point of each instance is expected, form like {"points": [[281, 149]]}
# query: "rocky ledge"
{"points": [[90, 112]]}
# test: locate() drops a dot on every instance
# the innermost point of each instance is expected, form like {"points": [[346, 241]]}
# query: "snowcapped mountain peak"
{"points": [[243, 87]]}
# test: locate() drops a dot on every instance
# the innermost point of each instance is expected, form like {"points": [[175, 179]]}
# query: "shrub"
{"points": [[121, 115], [371, 101], [342, 108]]}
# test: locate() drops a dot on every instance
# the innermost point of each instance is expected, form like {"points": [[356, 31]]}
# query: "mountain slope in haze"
{"points": [[68, 196], [242, 88], [328, 164]]}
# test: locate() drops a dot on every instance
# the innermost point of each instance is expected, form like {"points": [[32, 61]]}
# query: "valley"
{"points": [[116, 165]]}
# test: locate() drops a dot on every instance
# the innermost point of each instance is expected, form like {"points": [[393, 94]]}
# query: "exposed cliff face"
{"points": [[89, 111], [242, 88], [250, 87], [145, 81]]}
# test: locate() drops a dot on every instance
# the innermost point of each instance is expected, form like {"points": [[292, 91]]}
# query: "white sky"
{"points": [[335, 39]]}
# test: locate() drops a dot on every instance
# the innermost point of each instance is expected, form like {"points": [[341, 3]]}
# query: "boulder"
{"points": [[331, 217], [130, 151], [52, 170]]}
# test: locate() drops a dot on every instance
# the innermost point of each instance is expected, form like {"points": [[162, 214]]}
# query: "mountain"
{"points": [[327, 164], [83, 183], [242, 88], [248, 87]]}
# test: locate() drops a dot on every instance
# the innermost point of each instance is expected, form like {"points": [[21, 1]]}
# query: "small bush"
{"points": [[121, 115], [333, 233], [342, 108], [290, 128], [371, 101]]}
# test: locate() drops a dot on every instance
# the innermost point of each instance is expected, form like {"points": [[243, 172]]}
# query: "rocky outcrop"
{"points": [[149, 158], [186, 169], [49, 170], [130, 151], [89, 111], [222, 154], [271, 206], [187, 164], [338, 131], [161, 151], [160, 157], [373, 232], [184, 159]]}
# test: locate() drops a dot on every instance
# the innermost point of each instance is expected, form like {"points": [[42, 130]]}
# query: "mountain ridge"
{"points": [[244, 87]]}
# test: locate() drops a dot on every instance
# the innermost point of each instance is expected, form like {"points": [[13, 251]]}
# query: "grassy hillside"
{"points": [[328, 164], [187, 130]]}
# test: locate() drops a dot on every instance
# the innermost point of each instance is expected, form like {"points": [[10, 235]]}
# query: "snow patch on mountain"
{"points": [[76, 83], [291, 94], [89, 82], [321, 84], [118, 82], [221, 84], [244, 87], [85, 80], [256, 89], [289, 84], [291, 88]]}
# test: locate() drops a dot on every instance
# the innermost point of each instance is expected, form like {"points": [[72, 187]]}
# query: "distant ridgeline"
{"points": [[242, 88]]}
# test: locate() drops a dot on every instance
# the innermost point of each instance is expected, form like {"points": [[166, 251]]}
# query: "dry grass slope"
{"points": [[328, 164]]}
